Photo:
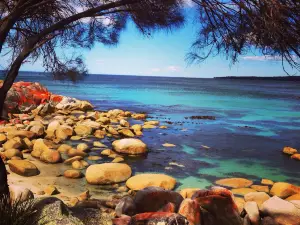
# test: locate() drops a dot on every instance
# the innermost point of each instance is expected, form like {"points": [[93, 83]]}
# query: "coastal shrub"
{"points": [[16, 212]]}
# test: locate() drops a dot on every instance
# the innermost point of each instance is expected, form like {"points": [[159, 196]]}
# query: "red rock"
{"points": [[191, 210], [169, 207]]}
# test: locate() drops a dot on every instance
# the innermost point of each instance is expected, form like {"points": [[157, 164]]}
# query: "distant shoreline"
{"points": [[281, 78]]}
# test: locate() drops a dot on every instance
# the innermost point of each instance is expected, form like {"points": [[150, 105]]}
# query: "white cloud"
{"points": [[173, 68], [155, 70], [267, 58]]}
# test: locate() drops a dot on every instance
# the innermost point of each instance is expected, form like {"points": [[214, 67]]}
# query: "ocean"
{"points": [[254, 120]]}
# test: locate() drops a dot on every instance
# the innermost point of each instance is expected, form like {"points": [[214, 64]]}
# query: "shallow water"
{"points": [[254, 121]]}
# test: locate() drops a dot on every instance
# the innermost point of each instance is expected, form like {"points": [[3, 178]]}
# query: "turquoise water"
{"points": [[254, 121]]}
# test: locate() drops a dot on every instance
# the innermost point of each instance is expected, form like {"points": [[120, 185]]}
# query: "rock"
{"points": [[168, 145], [122, 189], [9, 153], [75, 138], [64, 148], [293, 197], [19, 193], [73, 159], [253, 212], [51, 156], [139, 116], [126, 133], [94, 158], [39, 147], [117, 160], [268, 221], [130, 146], [39, 130], [296, 156], [78, 165], [112, 131], [83, 130], [53, 125], [234, 182], [104, 120], [289, 150], [52, 211], [283, 212], [141, 181], [284, 190], [2, 138], [92, 124], [126, 207], [218, 207], [242, 191], [188, 192], [51, 190], [107, 173], [267, 182], [152, 199], [158, 218], [98, 144], [63, 132], [106, 152], [163, 127], [84, 196], [23, 168], [191, 210], [15, 142], [99, 134], [124, 123], [74, 174], [27, 143], [74, 152], [260, 188], [258, 197], [20, 133], [136, 127], [152, 122], [148, 126], [83, 147], [240, 203]]}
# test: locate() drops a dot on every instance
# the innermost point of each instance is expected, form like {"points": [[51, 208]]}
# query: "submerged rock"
{"points": [[141, 181], [107, 173], [289, 150], [234, 182]]}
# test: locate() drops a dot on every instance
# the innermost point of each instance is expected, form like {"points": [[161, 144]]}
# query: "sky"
{"points": [[164, 55]]}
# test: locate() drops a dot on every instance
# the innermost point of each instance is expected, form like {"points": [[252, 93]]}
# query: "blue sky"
{"points": [[164, 55]]}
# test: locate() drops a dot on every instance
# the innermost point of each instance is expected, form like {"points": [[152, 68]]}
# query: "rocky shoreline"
{"points": [[52, 146]]}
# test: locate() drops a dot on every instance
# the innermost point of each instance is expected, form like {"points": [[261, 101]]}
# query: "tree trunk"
{"points": [[4, 113], [3, 179]]}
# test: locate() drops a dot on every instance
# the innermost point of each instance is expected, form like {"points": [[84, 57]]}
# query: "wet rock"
{"points": [[107, 173], [148, 126], [191, 210], [218, 207], [126, 207], [168, 145], [94, 158], [124, 123], [83, 147], [117, 160], [152, 122], [289, 150], [252, 210], [234, 182], [141, 181], [23, 168], [296, 156], [112, 130], [283, 212], [74, 152], [188, 192], [139, 116], [284, 190], [130, 146], [152, 199], [98, 144], [242, 191], [76, 138], [19, 193], [99, 134], [10, 153], [51, 156], [126, 133], [258, 197], [107, 152], [74, 174]]}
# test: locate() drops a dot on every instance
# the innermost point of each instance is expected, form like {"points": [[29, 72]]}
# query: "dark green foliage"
{"points": [[16, 212]]}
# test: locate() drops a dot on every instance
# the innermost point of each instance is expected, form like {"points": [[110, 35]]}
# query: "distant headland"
{"points": [[282, 78]]}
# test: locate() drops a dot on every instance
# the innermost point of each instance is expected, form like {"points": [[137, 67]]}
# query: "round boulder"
{"points": [[141, 181], [107, 173], [130, 146], [74, 174]]}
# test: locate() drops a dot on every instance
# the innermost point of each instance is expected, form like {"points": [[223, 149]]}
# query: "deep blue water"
{"points": [[254, 121]]}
